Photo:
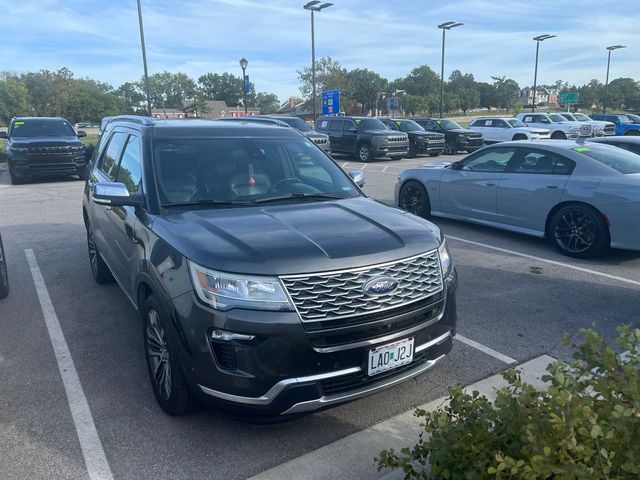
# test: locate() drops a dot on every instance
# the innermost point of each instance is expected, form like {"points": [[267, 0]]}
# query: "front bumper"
{"points": [[23, 166], [470, 143], [430, 146], [391, 149], [279, 371]]}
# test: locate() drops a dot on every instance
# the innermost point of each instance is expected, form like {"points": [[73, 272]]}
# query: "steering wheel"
{"points": [[283, 181]]}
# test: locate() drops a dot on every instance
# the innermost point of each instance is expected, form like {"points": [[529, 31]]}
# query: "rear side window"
{"points": [[495, 160], [543, 163], [478, 123], [109, 162], [323, 124], [613, 157], [130, 171]]}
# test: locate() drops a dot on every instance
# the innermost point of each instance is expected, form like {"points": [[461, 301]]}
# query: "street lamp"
{"points": [[606, 85], [313, 7], [144, 60], [243, 66], [538, 39], [444, 26]]}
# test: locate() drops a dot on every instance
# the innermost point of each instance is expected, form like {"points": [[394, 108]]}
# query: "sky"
{"points": [[100, 38]]}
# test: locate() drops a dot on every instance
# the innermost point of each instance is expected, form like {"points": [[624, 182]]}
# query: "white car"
{"points": [[506, 129], [600, 127], [560, 127]]}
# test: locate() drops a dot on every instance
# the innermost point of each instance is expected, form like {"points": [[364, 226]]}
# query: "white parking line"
{"points": [[483, 348], [552, 262], [94, 456]]}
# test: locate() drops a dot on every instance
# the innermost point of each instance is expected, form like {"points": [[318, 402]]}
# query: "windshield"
{"points": [[369, 124], [620, 160], [409, 126], [447, 124], [633, 118], [41, 128], [581, 117], [193, 171], [515, 123], [556, 117], [296, 123]]}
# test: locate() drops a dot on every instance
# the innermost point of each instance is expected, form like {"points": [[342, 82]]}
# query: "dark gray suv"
{"points": [[266, 281], [366, 137]]}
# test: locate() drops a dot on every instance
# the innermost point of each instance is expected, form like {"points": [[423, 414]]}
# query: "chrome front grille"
{"points": [[320, 140], [397, 139], [609, 129], [327, 296]]}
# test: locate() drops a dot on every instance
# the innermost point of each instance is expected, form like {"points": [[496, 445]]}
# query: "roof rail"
{"points": [[132, 118]]}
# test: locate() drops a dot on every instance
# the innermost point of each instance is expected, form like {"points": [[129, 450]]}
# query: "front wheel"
{"points": [[364, 152], [579, 231], [4, 277], [414, 199], [165, 371], [413, 150], [558, 136], [450, 147], [15, 180]]}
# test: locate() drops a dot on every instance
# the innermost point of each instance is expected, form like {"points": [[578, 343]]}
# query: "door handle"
{"points": [[552, 186]]}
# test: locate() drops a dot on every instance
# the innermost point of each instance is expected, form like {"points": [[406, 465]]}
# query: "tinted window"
{"points": [[448, 124], [392, 125], [478, 123], [408, 126], [335, 125], [41, 128], [130, 171], [616, 158], [489, 161], [556, 117], [500, 124], [539, 162], [515, 123], [297, 123], [632, 147], [111, 156], [369, 124]]}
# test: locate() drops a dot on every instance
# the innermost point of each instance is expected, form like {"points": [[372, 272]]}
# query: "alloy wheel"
{"points": [[575, 232], [413, 199], [93, 252], [158, 353], [364, 153]]}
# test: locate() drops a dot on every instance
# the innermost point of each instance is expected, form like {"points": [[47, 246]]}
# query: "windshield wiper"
{"points": [[289, 196], [207, 203]]}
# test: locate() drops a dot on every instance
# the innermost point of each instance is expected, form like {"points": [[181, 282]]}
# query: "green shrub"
{"points": [[585, 426]]}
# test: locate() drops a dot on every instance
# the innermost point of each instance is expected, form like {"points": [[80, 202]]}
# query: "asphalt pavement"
{"points": [[517, 297]]}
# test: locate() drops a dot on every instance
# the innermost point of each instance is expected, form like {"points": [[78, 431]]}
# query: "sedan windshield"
{"points": [[296, 123], [241, 171], [515, 123], [41, 128], [409, 126], [448, 124], [370, 124], [620, 160]]}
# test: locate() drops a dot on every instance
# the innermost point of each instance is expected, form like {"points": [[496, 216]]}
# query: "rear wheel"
{"points": [[450, 147], [165, 371], [414, 198], [558, 136], [99, 269], [364, 152], [579, 231], [4, 277]]}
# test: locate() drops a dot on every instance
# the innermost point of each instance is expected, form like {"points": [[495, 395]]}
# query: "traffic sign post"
{"points": [[331, 102], [569, 97]]}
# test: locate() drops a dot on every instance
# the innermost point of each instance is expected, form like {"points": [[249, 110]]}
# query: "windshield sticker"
{"points": [[582, 149], [398, 123], [358, 121], [17, 124], [438, 122]]}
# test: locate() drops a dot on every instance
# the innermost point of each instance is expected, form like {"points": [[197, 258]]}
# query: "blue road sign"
{"points": [[247, 87], [330, 102]]}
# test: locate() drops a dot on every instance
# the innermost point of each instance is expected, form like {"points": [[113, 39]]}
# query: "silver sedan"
{"points": [[583, 197]]}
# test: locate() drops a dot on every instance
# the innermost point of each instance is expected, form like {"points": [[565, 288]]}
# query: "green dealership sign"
{"points": [[568, 97]]}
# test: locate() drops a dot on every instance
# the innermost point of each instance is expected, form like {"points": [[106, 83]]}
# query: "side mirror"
{"points": [[456, 165], [82, 133], [4, 135], [358, 177], [114, 194]]}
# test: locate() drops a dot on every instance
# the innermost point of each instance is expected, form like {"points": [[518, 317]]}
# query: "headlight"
{"points": [[224, 291], [381, 139], [445, 259]]}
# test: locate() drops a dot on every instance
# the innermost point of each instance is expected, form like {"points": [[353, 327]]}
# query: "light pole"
{"points": [[538, 39], [144, 60], [313, 7], [606, 85], [243, 66], [444, 26]]}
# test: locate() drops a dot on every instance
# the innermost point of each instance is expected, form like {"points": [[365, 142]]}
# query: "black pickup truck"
{"points": [[42, 146]]}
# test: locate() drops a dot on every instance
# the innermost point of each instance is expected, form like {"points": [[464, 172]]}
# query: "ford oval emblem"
{"points": [[380, 286]]}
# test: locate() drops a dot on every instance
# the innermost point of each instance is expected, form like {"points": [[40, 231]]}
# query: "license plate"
{"points": [[388, 357]]}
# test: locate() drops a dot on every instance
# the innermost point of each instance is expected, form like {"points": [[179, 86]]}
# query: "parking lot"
{"points": [[516, 300]]}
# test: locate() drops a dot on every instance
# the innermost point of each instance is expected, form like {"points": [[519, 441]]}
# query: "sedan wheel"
{"points": [[414, 199], [579, 231], [4, 277]]}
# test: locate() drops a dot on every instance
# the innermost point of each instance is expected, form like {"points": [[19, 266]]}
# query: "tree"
{"points": [[132, 98], [226, 87], [14, 98], [623, 93], [421, 81], [464, 89], [170, 90], [329, 75], [364, 86], [487, 93], [591, 95], [267, 103], [507, 91], [414, 104]]}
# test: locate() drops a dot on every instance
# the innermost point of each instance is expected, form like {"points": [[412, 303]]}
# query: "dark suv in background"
{"points": [[456, 138], [420, 141], [266, 281], [366, 137], [41, 146]]}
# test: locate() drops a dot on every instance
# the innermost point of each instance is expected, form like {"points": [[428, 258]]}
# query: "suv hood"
{"points": [[25, 142], [388, 133], [303, 237], [461, 130]]}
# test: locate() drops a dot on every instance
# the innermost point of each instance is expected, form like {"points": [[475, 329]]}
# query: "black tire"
{"points": [[558, 136], [167, 377], [4, 277], [450, 147], [15, 180], [415, 199], [413, 150], [99, 269], [364, 152], [434, 154], [519, 136], [579, 231]]}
